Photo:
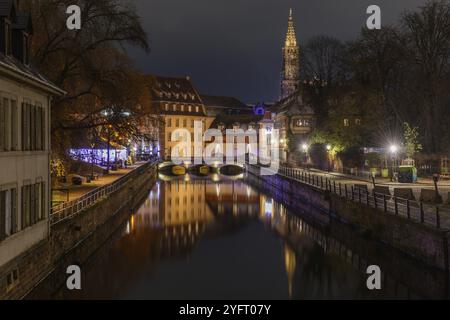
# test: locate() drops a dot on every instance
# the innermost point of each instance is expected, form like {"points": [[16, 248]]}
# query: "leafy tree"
{"points": [[412, 145]]}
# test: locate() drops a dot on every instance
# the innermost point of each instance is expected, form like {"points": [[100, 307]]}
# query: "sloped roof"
{"points": [[10, 63], [224, 102], [293, 105], [173, 89], [230, 120]]}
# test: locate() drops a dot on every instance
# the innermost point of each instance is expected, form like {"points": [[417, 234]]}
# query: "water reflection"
{"points": [[197, 239]]}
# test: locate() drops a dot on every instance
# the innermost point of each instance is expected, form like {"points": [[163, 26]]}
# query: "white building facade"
{"points": [[25, 99]]}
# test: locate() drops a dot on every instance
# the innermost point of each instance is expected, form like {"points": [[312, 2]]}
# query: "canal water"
{"points": [[221, 239]]}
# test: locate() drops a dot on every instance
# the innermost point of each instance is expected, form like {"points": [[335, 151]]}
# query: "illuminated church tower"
{"points": [[290, 77]]}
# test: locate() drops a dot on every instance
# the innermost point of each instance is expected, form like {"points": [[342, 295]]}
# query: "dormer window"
{"points": [[8, 38]]}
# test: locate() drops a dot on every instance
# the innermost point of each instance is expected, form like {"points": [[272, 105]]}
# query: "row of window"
{"points": [[175, 95], [347, 122], [14, 217], [181, 108], [176, 123], [178, 136], [303, 123], [30, 118]]}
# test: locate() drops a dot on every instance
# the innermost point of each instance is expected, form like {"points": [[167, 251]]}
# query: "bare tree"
{"points": [[428, 32]]}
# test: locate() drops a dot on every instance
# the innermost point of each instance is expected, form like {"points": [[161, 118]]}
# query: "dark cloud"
{"points": [[233, 47]]}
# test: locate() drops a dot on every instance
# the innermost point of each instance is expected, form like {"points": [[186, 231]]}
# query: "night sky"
{"points": [[233, 47]]}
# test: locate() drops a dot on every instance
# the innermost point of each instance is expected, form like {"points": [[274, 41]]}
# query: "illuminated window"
{"points": [[346, 123], [174, 107], [303, 123], [357, 121], [190, 108], [197, 109]]}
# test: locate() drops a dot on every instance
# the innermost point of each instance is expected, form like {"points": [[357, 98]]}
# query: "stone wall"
{"points": [[41, 260], [420, 241]]}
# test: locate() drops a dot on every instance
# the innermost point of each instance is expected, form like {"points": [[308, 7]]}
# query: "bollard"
{"points": [[384, 203]]}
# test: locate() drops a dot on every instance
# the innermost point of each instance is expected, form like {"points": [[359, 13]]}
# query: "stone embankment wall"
{"points": [[65, 236], [425, 243]]}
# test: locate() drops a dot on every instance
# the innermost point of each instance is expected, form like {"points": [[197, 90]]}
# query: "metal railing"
{"points": [[71, 208], [413, 210]]}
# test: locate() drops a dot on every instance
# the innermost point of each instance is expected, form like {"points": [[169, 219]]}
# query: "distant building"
{"points": [[230, 113], [218, 106], [290, 75], [294, 118], [295, 121], [179, 105], [25, 99]]}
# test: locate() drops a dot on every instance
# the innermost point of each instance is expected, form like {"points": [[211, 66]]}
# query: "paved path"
{"points": [[78, 191], [415, 212], [422, 183]]}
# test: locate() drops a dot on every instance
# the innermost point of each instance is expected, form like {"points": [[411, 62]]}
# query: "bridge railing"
{"points": [[418, 211], [71, 208]]}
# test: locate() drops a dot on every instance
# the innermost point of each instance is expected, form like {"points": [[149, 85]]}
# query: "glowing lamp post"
{"points": [[305, 148], [393, 149], [328, 147]]}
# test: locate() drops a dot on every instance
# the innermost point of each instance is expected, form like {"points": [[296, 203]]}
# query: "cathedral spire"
{"points": [[291, 39], [290, 77]]}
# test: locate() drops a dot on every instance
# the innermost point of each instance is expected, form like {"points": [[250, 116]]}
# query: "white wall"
{"points": [[24, 167]]}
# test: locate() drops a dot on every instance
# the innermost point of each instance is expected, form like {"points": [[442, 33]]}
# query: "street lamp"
{"points": [[438, 197], [329, 157], [305, 149], [393, 149]]}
